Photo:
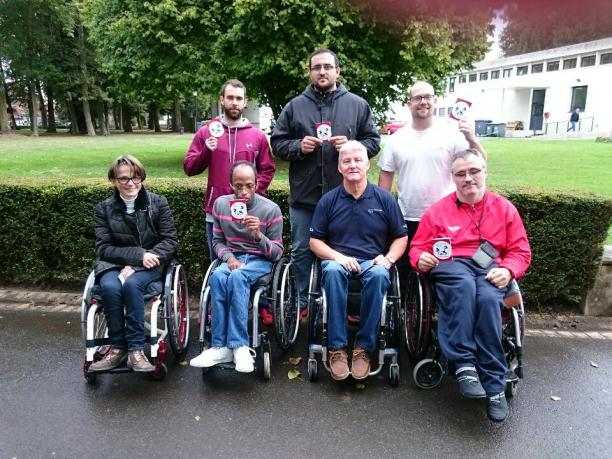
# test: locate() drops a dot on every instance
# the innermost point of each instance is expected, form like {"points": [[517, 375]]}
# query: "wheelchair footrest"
{"points": [[511, 376]]}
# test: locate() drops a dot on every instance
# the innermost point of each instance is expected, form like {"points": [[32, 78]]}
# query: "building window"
{"points": [[587, 61], [569, 63], [507, 73], [472, 77], [522, 70], [579, 95], [462, 78], [494, 74], [484, 76], [451, 84], [441, 111], [552, 66], [605, 59], [537, 68]]}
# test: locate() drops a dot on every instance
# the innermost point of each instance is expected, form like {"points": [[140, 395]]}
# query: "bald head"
{"points": [[421, 87]]}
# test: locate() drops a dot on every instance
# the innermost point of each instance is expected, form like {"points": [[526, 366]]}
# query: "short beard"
{"points": [[228, 114]]}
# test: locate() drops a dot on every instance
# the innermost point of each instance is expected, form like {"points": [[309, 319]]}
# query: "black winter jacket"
{"points": [[122, 239], [310, 176]]}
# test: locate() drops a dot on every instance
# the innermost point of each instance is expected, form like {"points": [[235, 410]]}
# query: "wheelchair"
{"points": [[389, 332], [168, 303], [420, 333], [279, 290]]}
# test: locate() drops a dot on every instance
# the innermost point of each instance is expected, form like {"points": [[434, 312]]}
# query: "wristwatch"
{"points": [[390, 259]]}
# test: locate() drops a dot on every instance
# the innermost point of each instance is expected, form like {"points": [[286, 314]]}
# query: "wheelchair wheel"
{"points": [[428, 374], [86, 301], [394, 312], [177, 312], [394, 374], [312, 370], [314, 293], [267, 370], [160, 373], [286, 305], [417, 310]]}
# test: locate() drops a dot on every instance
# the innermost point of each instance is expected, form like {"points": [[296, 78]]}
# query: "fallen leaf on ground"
{"points": [[68, 323], [197, 418], [183, 363], [360, 386], [293, 373], [555, 398], [295, 360], [593, 364]]}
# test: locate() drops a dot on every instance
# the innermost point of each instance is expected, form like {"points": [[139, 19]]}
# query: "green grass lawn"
{"points": [[566, 165]]}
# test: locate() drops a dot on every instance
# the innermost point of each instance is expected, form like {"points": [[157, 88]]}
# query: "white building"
{"points": [[540, 89]]}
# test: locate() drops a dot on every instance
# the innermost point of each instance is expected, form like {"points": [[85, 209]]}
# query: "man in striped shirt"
{"points": [[247, 238]]}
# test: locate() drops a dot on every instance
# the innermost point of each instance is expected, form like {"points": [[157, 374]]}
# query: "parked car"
{"points": [[392, 126]]}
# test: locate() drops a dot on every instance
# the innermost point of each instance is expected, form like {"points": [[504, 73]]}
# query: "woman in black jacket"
{"points": [[135, 238]]}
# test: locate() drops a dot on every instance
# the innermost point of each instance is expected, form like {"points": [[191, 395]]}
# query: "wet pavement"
{"points": [[48, 410]]}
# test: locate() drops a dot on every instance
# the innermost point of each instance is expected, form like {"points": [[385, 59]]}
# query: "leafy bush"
{"points": [[47, 235]]}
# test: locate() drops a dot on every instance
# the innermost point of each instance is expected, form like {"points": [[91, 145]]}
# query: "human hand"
{"points": [[309, 143], [500, 277], [252, 224], [349, 263], [211, 143], [337, 141], [234, 263], [466, 127], [150, 260], [427, 262], [126, 272], [382, 261]]}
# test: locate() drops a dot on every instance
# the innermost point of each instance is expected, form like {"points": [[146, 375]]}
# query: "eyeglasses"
{"points": [[317, 68], [240, 187], [126, 180], [462, 175], [419, 99]]}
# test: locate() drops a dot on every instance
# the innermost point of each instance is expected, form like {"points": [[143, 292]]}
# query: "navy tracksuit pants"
{"points": [[469, 320]]}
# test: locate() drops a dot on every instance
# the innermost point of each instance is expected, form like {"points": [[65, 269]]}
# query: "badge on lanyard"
{"points": [[442, 248], [324, 131], [459, 109], [216, 129], [238, 209]]}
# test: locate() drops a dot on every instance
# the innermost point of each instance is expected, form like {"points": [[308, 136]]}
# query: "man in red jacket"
{"points": [[473, 243], [223, 141]]}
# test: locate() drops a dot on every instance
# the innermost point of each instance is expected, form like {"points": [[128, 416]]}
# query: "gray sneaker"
{"points": [[111, 359], [137, 361]]}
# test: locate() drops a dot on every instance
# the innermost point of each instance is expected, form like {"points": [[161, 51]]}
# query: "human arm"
{"points": [[286, 144], [395, 252], [198, 155], [265, 166], [325, 252], [269, 234], [467, 129], [385, 179], [106, 248], [167, 239], [516, 255], [421, 258], [219, 242]]}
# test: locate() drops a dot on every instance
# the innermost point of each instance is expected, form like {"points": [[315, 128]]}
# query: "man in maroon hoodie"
{"points": [[223, 141]]}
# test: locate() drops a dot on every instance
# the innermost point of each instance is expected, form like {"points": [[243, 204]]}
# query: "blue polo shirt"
{"points": [[360, 228]]}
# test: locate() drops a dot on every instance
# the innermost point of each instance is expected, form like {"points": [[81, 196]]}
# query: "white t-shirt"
{"points": [[422, 161]]}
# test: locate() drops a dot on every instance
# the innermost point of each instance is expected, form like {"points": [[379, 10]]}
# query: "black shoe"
{"points": [[469, 384], [497, 407]]}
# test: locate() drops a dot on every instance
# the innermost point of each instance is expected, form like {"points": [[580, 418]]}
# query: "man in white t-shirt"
{"points": [[421, 153]]}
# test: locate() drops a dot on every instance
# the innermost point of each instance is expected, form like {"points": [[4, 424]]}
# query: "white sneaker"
{"points": [[211, 357], [244, 358]]}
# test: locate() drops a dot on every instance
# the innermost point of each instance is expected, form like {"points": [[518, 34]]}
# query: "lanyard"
{"points": [[477, 224]]}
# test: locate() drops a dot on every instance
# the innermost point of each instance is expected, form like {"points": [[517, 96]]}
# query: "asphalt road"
{"points": [[47, 409]]}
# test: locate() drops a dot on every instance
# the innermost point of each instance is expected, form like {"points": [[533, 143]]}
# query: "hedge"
{"points": [[47, 236]]}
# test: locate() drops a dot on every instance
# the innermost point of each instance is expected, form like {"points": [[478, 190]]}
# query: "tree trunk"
{"points": [[106, 117], [51, 110], [74, 121], [120, 126], [139, 120], [127, 119], [101, 118], [178, 123], [154, 116], [87, 113], [4, 118], [8, 97], [43, 108], [33, 106]]}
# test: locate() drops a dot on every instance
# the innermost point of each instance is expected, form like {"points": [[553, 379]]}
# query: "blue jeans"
{"points": [[209, 237], [230, 291], [469, 320], [126, 329], [301, 256], [375, 280]]}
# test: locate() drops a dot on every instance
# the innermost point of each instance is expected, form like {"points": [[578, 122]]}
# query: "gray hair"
{"points": [[350, 146], [465, 153]]}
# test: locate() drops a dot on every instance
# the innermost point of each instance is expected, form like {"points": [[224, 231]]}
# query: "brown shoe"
{"points": [[137, 361], [360, 365], [111, 359], [338, 364]]}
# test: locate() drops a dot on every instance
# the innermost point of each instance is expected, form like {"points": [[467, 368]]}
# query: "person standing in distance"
{"points": [[222, 142], [309, 132]]}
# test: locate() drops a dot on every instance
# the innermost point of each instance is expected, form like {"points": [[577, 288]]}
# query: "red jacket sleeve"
{"points": [[516, 256], [421, 242]]}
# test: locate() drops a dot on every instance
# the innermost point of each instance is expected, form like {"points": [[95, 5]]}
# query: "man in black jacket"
{"points": [[309, 132]]}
